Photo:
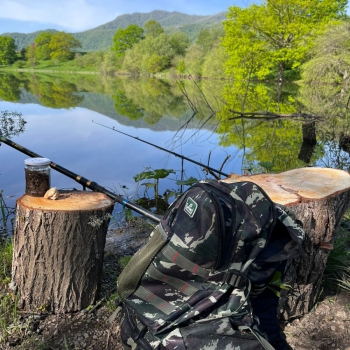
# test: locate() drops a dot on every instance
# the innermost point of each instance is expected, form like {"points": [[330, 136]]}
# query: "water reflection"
{"points": [[268, 127]]}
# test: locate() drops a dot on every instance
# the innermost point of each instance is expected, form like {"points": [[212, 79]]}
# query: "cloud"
{"points": [[74, 15]]}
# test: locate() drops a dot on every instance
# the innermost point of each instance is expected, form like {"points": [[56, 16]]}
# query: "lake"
{"points": [[63, 116]]}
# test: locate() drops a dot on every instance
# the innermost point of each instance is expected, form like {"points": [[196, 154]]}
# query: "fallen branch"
{"points": [[270, 115]]}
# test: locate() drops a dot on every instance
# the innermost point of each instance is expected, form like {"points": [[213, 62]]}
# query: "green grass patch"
{"points": [[9, 322], [50, 65], [337, 272], [6, 248]]}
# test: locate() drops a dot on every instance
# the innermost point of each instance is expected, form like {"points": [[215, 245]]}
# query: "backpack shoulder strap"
{"points": [[129, 278]]}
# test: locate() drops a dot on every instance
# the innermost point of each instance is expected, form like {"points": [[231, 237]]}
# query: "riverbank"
{"points": [[325, 327]]}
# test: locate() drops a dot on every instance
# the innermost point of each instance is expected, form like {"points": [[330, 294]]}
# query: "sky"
{"points": [[24, 16]]}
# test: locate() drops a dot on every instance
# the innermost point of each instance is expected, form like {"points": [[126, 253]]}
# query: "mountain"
{"points": [[100, 38]]}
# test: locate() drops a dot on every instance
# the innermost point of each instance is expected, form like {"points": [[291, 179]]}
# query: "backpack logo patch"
{"points": [[190, 207]]}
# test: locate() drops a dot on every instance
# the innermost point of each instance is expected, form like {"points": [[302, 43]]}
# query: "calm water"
{"points": [[61, 116], [70, 137]]}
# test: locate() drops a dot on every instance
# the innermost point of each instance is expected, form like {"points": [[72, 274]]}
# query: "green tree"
{"points": [[23, 53], [7, 50], [269, 37], [181, 68], [209, 38], [152, 55], [153, 28], [133, 60], [194, 60], [124, 39], [61, 46], [42, 43], [214, 63], [110, 63], [155, 63], [330, 58], [31, 55], [179, 41]]}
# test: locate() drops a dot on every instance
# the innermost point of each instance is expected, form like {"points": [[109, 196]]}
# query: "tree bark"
{"points": [[319, 198], [280, 80], [58, 250]]}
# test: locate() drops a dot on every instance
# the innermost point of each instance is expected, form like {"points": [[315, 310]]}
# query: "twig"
{"points": [[212, 173], [225, 160], [108, 334], [270, 115]]}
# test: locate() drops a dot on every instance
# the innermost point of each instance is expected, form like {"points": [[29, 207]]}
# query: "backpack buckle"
{"points": [[236, 280]]}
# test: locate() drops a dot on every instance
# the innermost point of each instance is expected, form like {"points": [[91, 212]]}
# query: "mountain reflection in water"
{"points": [[195, 119]]}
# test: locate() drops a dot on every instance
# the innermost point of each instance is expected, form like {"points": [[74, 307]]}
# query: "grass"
{"points": [[50, 65], [8, 316], [6, 242], [6, 248], [5, 214], [337, 272]]}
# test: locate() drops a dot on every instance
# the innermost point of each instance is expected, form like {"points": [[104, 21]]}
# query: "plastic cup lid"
{"points": [[37, 161]]}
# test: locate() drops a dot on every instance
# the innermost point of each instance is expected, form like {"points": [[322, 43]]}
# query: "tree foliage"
{"points": [[214, 63], [124, 39], [11, 123], [62, 45], [152, 55], [269, 37], [330, 58], [31, 55], [179, 41], [9, 88], [153, 28], [208, 38], [42, 43], [7, 50], [194, 60]]}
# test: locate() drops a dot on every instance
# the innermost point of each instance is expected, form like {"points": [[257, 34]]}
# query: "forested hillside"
{"points": [[24, 40], [100, 38]]}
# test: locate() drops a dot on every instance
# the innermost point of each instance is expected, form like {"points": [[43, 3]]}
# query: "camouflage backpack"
{"points": [[189, 286]]}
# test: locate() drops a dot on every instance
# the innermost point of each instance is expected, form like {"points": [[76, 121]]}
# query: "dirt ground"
{"points": [[325, 327]]}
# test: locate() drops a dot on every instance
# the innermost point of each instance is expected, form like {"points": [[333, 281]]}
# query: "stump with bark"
{"points": [[58, 250], [319, 197]]}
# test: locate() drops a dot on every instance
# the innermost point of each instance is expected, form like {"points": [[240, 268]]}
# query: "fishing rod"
{"points": [[164, 149], [85, 182]]}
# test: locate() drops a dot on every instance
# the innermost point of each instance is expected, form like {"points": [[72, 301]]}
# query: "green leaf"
{"points": [[144, 175], [123, 261], [162, 173], [189, 182], [277, 281], [274, 291], [156, 174], [148, 184]]}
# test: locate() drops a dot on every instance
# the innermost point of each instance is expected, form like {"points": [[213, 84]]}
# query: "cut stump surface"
{"points": [[319, 197]]}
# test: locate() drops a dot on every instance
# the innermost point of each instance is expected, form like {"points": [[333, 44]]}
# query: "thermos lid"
{"points": [[37, 161]]}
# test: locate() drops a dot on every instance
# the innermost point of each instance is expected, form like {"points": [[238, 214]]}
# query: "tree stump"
{"points": [[58, 250], [319, 197]]}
